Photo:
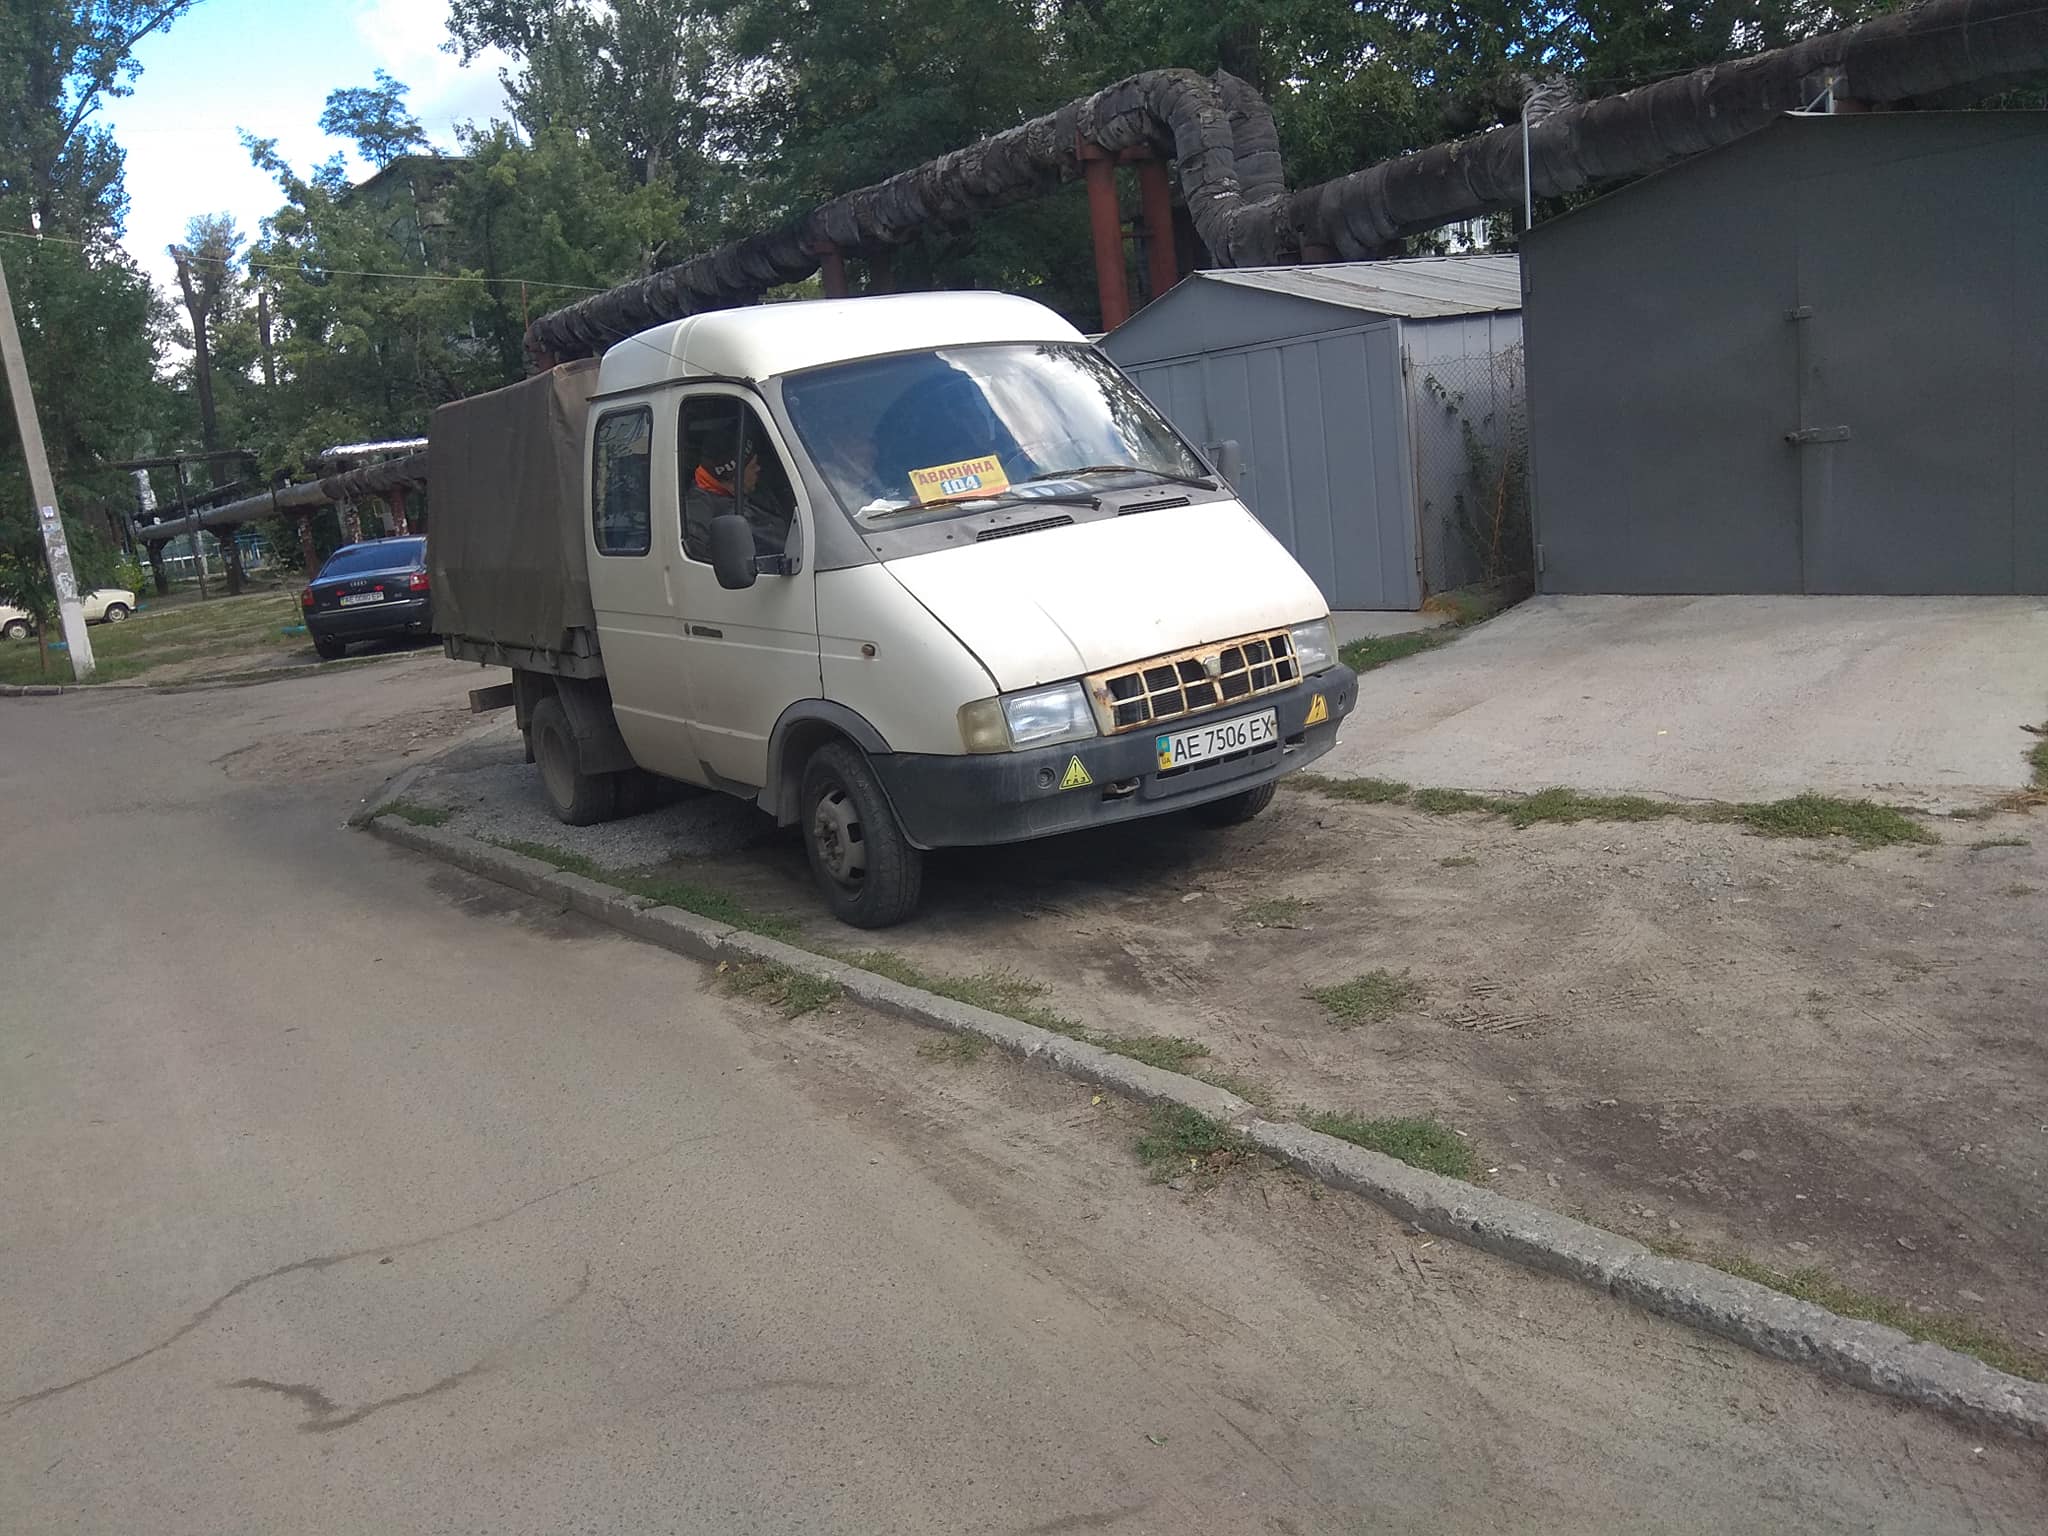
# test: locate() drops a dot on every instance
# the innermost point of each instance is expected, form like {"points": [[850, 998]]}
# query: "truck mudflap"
{"points": [[1011, 797]]}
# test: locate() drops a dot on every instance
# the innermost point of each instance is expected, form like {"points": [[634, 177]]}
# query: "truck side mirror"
{"points": [[732, 551]]}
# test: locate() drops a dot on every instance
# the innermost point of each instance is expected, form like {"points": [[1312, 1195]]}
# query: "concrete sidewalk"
{"points": [[1910, 698]]}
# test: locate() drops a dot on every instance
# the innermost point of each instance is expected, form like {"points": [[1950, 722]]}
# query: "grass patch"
{"points": [[1963, 1334], [1367, 999], [226, 629], [1448, 802], [700, 900], [1275, 912], [2001, 842], [1179, 1140], [793, 992], [419, 815], [1863, 822], [1458, 861], [1371, 791], [1377, 650], [1171, 1053], [1421, 1143], [2020, 889], [2037, 759], [1568, 805], [956, 1050]]}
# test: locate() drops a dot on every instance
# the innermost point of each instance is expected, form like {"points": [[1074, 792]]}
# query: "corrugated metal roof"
{"points": [[1416, 288]]}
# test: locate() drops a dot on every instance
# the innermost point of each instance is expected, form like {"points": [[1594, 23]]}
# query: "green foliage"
{"points": [[1377, 650], [1863, 822], [376, 118]]}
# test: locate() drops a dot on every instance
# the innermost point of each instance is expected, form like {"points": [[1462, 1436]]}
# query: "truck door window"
{"points": [[620, 493], [729, 464]]}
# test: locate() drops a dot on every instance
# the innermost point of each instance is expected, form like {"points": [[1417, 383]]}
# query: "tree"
{"points": [[207, 277], [375, 118], [89, 319]]}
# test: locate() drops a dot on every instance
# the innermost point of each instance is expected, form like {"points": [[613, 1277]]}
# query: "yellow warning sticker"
{"points": [[1077, 776], [1318, 710], [969, 477]]}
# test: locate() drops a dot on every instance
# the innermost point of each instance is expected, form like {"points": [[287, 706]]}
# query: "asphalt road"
{"points": [[342, 1193]]}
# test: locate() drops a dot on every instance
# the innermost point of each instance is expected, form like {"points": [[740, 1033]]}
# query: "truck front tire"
{"points": [[1233, 810], [869, 872], [576, 797]]}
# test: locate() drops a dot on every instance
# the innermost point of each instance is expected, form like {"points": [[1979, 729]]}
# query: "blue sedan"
{"points": [[376, 590]]}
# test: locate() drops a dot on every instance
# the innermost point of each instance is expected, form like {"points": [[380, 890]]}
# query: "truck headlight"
{"points": [[1036, 717], [1042, 716], [1315, 646]]}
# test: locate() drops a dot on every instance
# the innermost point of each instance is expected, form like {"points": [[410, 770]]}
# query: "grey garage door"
{"points": [[1322, 443]]}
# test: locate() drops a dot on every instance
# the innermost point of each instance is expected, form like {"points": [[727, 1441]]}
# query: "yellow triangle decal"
{"points": [[1077, 776], [1319, 711]]}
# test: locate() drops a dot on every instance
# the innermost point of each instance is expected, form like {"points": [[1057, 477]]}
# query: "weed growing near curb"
{"points": [[1005, 992], [2001, 842], [792, 991], [959, 1050], [1458, 861], [1421, 1143], [1367, 999], [700, 900], [1180, 1140], [419, 815], [1448, 802], [1170, 1053], [1254, 1092], [1964, 1334]]}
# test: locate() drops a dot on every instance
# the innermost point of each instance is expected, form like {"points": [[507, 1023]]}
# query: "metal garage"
{"points": [[1368, 412], [1813, 361]]}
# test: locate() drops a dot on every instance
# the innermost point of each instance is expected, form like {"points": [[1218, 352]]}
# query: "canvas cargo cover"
{"points": [[505, 539]]}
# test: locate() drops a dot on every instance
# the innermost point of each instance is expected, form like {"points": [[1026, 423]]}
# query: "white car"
{"points": [[103, 605]]}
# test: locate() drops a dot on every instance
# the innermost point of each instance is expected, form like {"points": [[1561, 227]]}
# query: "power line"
{"points": [[317, 270]]}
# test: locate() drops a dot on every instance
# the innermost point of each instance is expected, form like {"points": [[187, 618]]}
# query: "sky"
{"points": [[266, 66]]}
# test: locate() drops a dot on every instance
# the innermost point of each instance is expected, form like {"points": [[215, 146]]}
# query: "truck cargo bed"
{"points": [[505, 546]]}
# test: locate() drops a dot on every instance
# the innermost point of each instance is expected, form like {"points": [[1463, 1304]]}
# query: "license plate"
{"points": [[1180, 749], [350, 599]]}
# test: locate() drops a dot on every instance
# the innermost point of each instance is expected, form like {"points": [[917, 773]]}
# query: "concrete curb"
{"points": [[1867, 1355]]}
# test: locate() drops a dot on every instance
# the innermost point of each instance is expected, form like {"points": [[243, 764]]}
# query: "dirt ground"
{"points": [[1785, 1050]]}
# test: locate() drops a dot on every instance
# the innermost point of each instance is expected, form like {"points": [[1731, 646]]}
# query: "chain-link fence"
{"points": [[1469, 431]]}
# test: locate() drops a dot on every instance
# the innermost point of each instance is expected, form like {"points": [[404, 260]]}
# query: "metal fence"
{"points": [[1469, 432]]}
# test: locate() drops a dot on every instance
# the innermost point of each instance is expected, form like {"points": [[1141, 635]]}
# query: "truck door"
{"points": [[750, 653], [632, 587]]}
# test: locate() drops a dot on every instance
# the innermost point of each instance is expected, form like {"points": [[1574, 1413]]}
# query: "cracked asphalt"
{"points": [[343, 1192]]}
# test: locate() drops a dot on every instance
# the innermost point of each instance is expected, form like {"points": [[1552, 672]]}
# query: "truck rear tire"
{"points": [[576, 797], [869, 872], [1233, 810]]}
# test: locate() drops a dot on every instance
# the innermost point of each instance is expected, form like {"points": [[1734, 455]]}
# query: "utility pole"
{"points": [[77, 642]]}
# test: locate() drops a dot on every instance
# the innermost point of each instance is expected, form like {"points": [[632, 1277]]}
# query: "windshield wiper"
{"points": [[991, 502], [1203, 481]]}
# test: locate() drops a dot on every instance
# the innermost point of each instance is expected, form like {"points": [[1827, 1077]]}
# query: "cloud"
{"points": [[406, 38]]}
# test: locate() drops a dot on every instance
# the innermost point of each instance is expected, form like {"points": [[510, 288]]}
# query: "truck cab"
{"points": [[923, 571]]}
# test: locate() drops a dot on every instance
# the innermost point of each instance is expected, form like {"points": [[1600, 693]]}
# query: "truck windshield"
{"points": [[965, 426]]}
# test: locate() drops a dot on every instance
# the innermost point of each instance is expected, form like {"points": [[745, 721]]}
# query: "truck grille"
{"points": [[1187, 682]]}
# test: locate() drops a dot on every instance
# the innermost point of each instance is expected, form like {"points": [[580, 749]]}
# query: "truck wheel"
{"points": [[870, 874], [1234, 810], [575, 797]]}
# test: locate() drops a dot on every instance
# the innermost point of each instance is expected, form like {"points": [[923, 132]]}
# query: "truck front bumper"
{"points": [[1010, 797]]}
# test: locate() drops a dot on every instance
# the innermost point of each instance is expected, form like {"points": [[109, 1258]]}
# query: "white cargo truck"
{"points": [[909, 573]]}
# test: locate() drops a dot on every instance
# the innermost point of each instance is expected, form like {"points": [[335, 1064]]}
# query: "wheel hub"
{"points": [[836, 834]]}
